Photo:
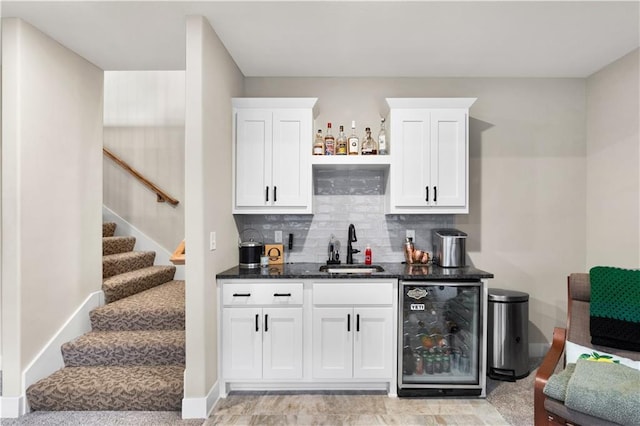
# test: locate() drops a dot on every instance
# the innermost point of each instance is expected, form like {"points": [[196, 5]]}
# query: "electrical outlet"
{"points": [[278, 236], [411, 234], [212, 241]]}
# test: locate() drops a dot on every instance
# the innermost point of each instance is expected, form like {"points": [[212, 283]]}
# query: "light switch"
{"points": [[278, 236], [212, 241]]}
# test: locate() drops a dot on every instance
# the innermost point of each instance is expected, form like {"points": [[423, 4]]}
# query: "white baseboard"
{"points": [[200, 408], [11, 407], [49, 359], [143, 241]]}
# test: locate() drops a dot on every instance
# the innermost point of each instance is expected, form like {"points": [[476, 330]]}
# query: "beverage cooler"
{"points": [[441, 341]]}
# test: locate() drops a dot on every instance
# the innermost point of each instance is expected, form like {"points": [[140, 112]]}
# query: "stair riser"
{"points": [[108, 229], [114, 245], [131, 321], [119, 287], [116, 266], [131, 355], [109, 388]]}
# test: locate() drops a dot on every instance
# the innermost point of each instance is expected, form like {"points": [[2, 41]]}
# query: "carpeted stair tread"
{"points": [[147, 388], [127, 284], [159, 308], [120, 263], [113, 245], [144, 347], [108, 229]]}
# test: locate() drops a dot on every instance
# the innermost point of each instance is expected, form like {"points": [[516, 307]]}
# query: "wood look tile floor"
{"points": [[344, 409]]}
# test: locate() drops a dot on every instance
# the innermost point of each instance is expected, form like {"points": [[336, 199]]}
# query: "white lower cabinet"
{"points": [[304, 334], [261, 342], [353, 331], [352, 342]]}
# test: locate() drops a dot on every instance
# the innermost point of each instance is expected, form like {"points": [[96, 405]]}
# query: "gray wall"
{"points": [[212, 79], [144, 125], [51, 167], [613, 155], [527, 180]]}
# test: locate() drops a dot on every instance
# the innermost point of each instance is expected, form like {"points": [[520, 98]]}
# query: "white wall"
{"points": [[527, 171], [613, 155], [144, 125], [51, 166], [212, 79]]}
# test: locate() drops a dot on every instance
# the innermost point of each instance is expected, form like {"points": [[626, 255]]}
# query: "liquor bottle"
{"points": [[329, 142], [369, 146], [382, 139], [341, 143], [408, 360], [318, 146], [354, 142]]}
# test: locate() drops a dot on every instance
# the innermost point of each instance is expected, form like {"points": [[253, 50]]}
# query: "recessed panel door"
{"points": [[242, 343], [253, 158], [332, 343], [292, 142], [373, 346], [410, 169], [282, 343], [448, 158]]}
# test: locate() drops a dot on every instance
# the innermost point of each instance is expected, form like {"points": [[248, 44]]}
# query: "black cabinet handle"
{"points": [[241, 294], [281, 294], [348, 322], [266, 194], [358, 322], [257, 329], [275, 194], [435, 194], [266, 323], [427, 196]]}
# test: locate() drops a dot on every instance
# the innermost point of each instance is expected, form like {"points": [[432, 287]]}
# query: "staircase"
{"points": [[133, 359]]}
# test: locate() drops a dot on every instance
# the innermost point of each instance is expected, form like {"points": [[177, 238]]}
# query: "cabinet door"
{"points": [[292, 142], [332, 343], [242, 343], [373, 345], [254, 135], [410, 132], [282, 343], [449, 158]]}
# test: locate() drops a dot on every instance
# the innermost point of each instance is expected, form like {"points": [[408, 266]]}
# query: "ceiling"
{"points": [[351, 38]]}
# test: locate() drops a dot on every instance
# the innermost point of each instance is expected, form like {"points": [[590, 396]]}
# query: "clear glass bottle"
{"points": [[369, 145], [382, 139], [318, 145], [342, 146], [329, 142], [354, 142]]}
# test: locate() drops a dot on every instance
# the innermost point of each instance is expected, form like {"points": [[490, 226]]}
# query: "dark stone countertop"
{"points": [[391, 270]]}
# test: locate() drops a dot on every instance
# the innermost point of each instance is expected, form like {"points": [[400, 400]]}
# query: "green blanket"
{"points": [[601, 389], [615, 307]]}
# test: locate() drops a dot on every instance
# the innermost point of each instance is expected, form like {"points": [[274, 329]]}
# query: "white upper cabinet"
{"points": [[272, 145], [429, 140]]}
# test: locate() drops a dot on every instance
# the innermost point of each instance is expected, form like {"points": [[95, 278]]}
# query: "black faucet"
{"points": [[351, 239]]}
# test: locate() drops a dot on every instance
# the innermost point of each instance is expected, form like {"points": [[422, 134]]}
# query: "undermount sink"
{"points": [[351, 269]]}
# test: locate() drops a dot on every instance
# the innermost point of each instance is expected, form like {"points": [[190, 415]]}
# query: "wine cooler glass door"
{"points": [[440, 336]]}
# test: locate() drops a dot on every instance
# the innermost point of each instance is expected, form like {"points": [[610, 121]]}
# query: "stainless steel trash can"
{"points": [[508, 336]]}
